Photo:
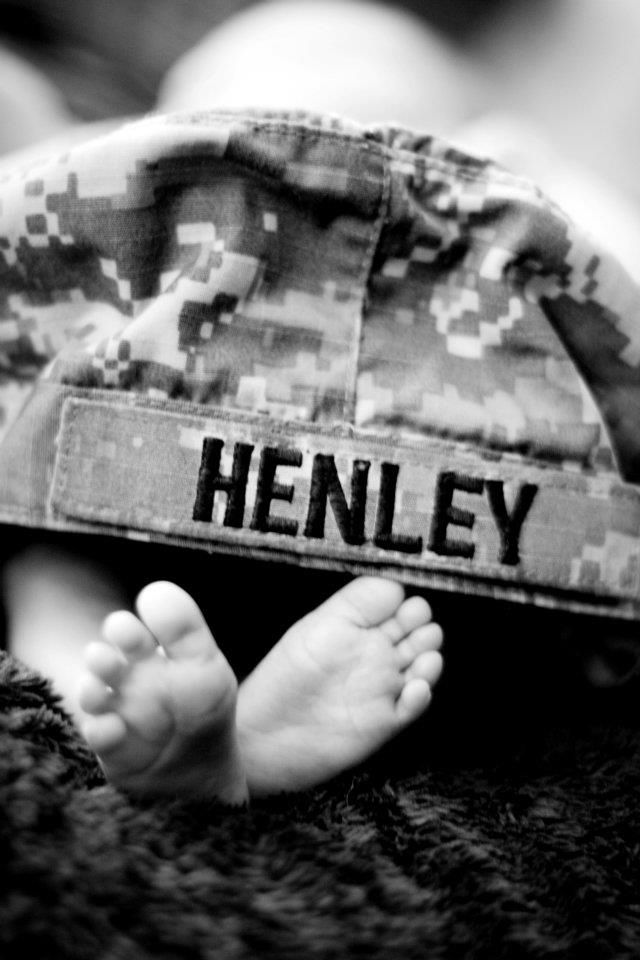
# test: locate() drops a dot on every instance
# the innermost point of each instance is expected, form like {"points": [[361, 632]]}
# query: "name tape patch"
{"points": [[349, 495]]}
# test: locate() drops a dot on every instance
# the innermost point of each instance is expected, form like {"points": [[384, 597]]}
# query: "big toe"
{"points": [[366, 601], [175, 620]]}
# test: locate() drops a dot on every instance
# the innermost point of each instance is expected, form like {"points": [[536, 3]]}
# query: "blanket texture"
{"points": [[509, 828]]}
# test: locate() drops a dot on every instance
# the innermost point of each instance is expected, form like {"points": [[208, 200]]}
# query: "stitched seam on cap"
{"points": [[351, 391]]}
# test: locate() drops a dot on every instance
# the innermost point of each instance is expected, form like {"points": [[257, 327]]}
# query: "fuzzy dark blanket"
{"points": [[506, 826]]}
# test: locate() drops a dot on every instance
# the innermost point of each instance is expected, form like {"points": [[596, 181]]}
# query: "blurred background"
{"points": [[109, 56], [567, 69]]}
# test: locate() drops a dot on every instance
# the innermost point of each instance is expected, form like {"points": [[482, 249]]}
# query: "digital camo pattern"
{"points": [[484, 300], [305, 270]]}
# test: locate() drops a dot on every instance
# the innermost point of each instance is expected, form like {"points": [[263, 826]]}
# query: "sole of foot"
{"points": [[341, 682], [160, 700]]}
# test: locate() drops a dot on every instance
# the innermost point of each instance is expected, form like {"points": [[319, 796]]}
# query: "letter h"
{"points": [[210, 479]]}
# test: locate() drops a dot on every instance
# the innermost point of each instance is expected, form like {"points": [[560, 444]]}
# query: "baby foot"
{"points": [[161, 699], [339, 684]]}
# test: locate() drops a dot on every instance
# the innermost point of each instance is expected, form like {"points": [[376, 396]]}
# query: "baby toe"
{"points": [[366, 602], [104, 733], [427, 637], [125, 631], [414, 699], [94, 696], [426, 666], [413, 613], [105, 662], [175, 620]]}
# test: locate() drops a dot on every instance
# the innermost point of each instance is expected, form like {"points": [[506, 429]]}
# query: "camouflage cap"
{"points": [[294, 338]]}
